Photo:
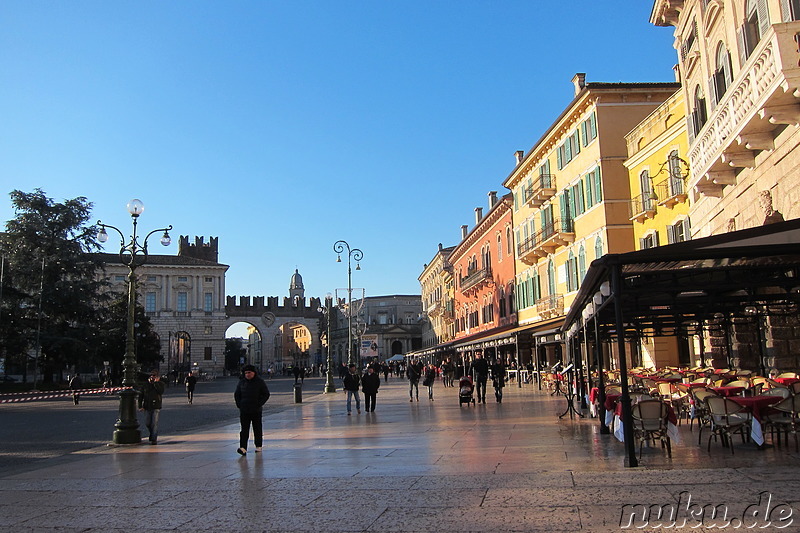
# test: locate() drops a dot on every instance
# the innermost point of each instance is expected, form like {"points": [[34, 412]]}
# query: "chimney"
{"points": [[676, 69], [492, 199], [579, 80], [519, 154], [440, 247], [464, 232]]}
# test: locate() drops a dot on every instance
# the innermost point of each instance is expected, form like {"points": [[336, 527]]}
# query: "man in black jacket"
{"points": [[480, 371], [352, 382], [370, 384], [251, 395], [150, 403]]}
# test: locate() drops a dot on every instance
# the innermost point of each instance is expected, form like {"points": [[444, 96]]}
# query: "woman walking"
{"points": [[430, 379]]}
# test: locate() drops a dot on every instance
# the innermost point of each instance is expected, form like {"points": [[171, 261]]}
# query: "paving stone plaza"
{"points": [[408, 467]]}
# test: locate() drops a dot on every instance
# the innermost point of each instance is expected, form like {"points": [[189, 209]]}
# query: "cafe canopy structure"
{"points": [[681, 289]]}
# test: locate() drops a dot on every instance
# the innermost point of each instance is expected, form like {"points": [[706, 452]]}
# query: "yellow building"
{"points": [[571, 198], [659, 206]]}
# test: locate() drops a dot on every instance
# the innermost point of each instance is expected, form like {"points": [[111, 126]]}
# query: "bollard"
{"points": [[298, 393]]}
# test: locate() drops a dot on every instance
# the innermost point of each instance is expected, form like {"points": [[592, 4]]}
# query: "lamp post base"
{"points": [[127, 431], [329, 386]]}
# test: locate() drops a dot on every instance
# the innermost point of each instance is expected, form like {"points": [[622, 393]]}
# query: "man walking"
{"points": [[150, 403], [250, 396], [191, 382], [370, 384], [480, 372], [351, 384], [413, 374]]}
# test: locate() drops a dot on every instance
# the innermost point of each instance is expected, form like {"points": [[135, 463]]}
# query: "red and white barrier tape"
{"points": [[27, 397]]}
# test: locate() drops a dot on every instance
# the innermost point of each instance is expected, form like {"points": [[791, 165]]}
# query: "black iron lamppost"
{"points": [[329, 386], [132, 254], [355, 253]]}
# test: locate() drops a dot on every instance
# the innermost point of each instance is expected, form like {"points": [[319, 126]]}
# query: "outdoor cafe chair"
{"points": [[786, 418], [650, 423], [701, 413], [727, 419]]}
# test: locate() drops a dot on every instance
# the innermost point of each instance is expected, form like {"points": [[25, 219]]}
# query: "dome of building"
{"points": [[297, 281]]}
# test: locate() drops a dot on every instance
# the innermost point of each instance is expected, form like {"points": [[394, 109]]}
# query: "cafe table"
{"points": [[672, 424], [787, 382], [757, 406], [727, 391]]}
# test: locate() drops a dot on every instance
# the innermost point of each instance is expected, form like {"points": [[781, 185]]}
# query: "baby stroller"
{"points": [[465, 390]]}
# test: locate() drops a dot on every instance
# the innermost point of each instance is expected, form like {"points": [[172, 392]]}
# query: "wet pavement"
{"points": [[408, 467]]}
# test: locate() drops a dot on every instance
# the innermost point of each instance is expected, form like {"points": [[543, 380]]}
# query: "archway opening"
{"points": [[244, 346]]}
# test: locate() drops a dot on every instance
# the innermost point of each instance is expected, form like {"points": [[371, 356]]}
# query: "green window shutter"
{"points": [[598, 185]]}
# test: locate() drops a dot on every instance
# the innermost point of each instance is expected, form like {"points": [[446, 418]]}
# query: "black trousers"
{"points": [[480, 385], [369, 401], [246, 419]]}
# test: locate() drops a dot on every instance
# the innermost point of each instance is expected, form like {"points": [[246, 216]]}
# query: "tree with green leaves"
{"points": [[109, 341], [50, 290]]}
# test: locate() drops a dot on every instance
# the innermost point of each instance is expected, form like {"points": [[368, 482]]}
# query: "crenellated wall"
{"points": [[244, 306]]}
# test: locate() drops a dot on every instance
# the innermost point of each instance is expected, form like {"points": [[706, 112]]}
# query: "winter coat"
{"points": [[251, 394], [370, 383], [351, 382], [150, 397]]}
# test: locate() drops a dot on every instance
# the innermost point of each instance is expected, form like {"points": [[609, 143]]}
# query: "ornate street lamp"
{"points": [[355, 253], [132, 254], [329, 386]]}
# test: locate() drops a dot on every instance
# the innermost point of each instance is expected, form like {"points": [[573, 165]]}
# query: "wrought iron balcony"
{"points": [[550, 306], [547, 240], [541, 190], [671, 191], [474, 278], [642, 207]]}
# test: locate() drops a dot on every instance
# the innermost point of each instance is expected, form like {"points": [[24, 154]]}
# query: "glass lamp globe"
{"points": [[135, 207]]}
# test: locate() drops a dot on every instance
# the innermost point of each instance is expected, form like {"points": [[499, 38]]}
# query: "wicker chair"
{"points": [[650, 423], [727, 419], [787, 419]]}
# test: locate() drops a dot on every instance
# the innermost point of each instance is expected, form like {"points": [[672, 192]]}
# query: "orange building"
{"points": [[483, 275]]}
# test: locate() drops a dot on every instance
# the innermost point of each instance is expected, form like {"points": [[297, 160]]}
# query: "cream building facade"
{"points": [[436, 284], [738, 63], [571, 198], [184, 297]]}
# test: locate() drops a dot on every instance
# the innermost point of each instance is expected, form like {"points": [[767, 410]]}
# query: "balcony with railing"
{"points": [[671, 191], [762, 99], [550, 306], [642, 207], [547, 240], [475, 278], [541, 190]]}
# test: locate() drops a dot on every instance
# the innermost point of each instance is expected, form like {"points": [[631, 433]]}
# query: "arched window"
{"points": [[499, 247], [676, 174], [699, 113], [509, 242], [598, 247], [551, 277], [647, 191], [581, 263], [756, 23], [723, 75]]}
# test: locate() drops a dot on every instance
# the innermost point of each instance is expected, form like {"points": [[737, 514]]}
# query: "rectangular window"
{"points": [[119, 278], [183, 302], [207, 353], [589, 129], [209, 279], [208, 302], [151, 278], [577, 199], [183, 278], [150, 302], [648, 241]]}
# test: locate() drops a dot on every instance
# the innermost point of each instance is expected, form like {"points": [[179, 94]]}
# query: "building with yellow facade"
{"points": [[571, 200], [659, 206]]}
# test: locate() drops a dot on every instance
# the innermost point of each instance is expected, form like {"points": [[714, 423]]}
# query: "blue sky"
{"points": [[283, 126]]}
